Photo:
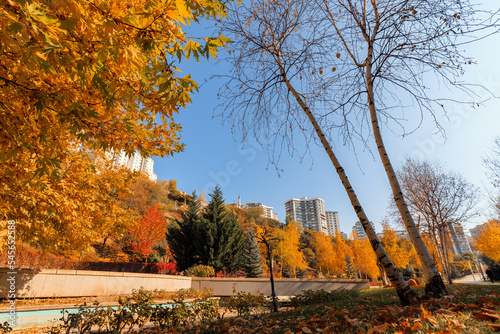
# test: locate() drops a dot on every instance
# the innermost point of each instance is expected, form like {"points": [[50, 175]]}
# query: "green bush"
{"points": [[310, 297], [134, 312], [244, 303], [200, 270]]}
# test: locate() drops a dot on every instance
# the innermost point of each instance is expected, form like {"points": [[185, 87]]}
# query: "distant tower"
{"points": [[239, 201]]}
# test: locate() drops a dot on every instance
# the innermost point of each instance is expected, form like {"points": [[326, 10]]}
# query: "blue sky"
{"points": [[213, 156]]}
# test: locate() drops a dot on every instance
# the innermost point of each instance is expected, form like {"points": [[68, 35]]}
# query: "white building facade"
{"points": [[308, 211], [268, 210], [359, 231], [332, 223], [135, 162]]}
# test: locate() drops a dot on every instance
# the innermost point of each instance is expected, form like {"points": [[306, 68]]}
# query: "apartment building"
{"points": [[135, 162], [460, 242], [359, 231], [332, 223], [308, 211], [268, 210]]}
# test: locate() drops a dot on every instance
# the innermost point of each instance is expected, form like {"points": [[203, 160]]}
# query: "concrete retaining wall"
{"points": [[74, 283], [283, 287]]}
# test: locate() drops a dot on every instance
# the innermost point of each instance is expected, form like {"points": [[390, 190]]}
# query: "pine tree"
{"points": [[252, 258], [351, 273], [186, 237], [225, 240]]}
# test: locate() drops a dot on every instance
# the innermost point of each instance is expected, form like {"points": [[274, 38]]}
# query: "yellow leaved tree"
{"points": [[489, 240], [94, 76], [364, 259], [399, 255], [96, 72], [291, 257], [331, 254], [72, 212]]}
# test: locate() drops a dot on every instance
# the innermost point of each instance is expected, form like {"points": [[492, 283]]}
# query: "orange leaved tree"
{"points": [[150, 230]]}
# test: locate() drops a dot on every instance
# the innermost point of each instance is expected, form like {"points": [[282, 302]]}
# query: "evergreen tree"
{"points": [[407, 272], [225, 240], [351, 273], [252, 258], [454, 271], [186, 237]]}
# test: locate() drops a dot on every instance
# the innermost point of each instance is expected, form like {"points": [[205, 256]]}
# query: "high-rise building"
{"points": [[460, 242], [359, 231], [136, 162], [310, 212], [332, 223], [476, 231]]}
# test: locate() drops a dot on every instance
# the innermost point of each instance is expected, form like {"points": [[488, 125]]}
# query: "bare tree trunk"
{"points": [[438, 247], [445, 255], [385, 281], [271, 269], [406, 294], [434, 286]]}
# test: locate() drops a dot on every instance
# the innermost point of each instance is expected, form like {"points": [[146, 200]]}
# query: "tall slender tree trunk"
{"points": [[385, 281], [445, 255], [437, 246], [406, 294], [434, 286], [271, 270]]}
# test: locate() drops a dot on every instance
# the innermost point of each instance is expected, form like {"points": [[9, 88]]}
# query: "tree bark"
{"points": [[406, 294], [434, 286], [447, 269], [271, 269]]}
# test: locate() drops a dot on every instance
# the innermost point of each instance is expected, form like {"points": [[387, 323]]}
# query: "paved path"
{"points": [[470, 280]]}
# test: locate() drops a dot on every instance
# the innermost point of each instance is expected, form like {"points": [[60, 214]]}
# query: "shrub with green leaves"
{"points": [[134, 312], [310, 297], [244, 303], [200, 270]]}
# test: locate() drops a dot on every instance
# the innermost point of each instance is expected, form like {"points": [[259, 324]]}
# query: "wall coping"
{"points": [[245, 279], [73, 272]]}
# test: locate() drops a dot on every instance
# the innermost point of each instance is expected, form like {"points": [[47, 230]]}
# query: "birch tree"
{"points": [[390, 50], [276, 45]]}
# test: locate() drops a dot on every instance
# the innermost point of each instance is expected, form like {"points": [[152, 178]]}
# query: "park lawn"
{"points": [[470, 309]]}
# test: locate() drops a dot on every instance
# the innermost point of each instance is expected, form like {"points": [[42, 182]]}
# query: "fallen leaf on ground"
{"points": [[306, 330], [417, 326], [486, 316], [378, 329], [454, 324], [495, 327], [472, 307]]}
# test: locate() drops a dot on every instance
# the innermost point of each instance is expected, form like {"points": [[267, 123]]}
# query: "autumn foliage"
{"points": [[143, 236], [99, 72], [80, 78], [488, 242], [292, 259], [66, 215]]}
